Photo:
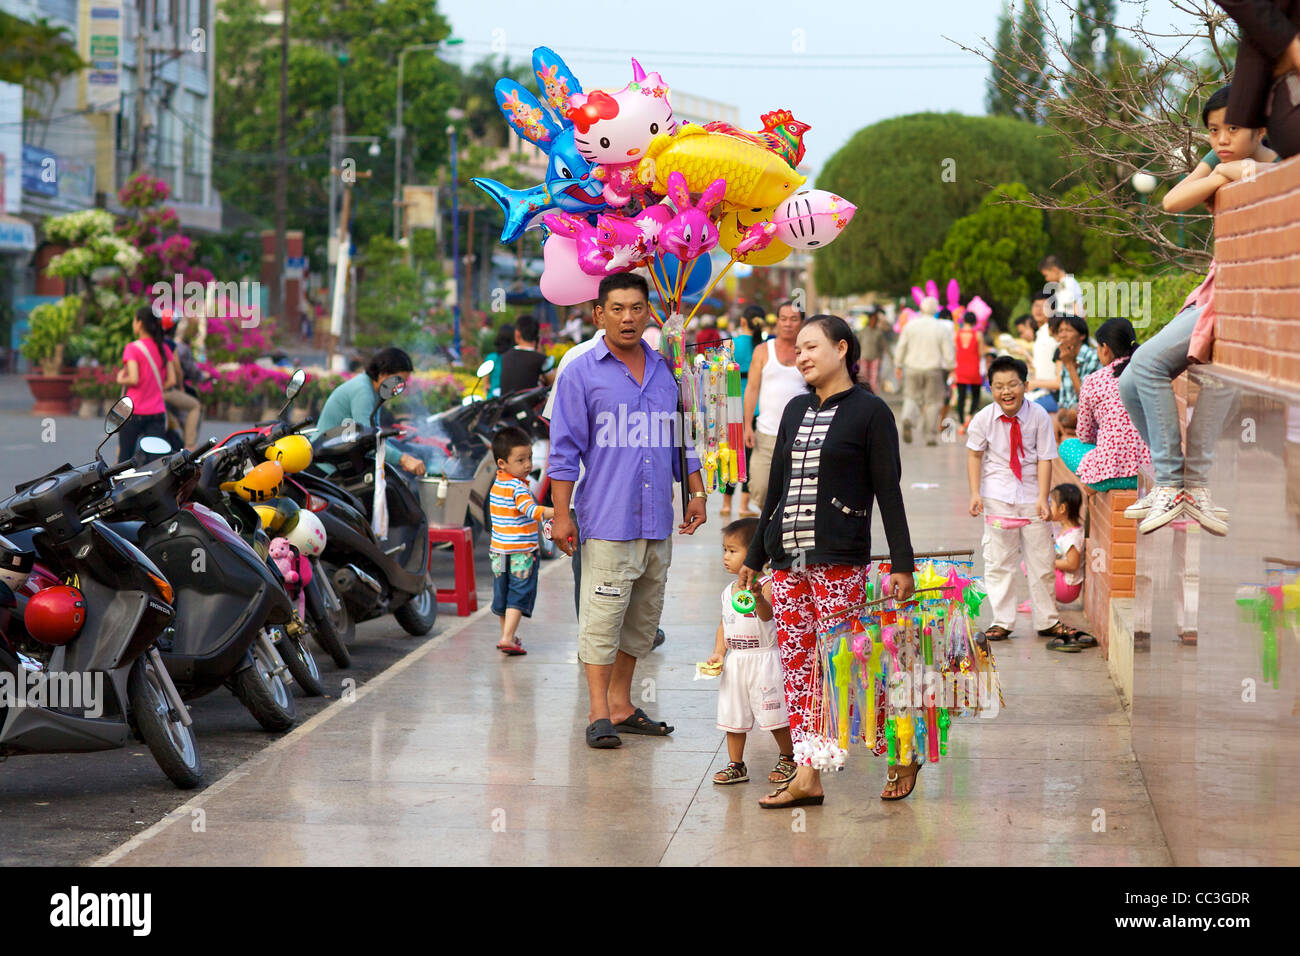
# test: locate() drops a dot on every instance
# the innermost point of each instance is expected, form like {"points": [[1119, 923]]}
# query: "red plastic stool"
{"points": [[464, 595]]}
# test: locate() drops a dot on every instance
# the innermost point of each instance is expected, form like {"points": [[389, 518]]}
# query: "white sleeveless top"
{"points": [[744, 632], [780, 384]]}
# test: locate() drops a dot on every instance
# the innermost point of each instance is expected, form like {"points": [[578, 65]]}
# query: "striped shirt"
{"points": [[514, 515], [799, 515]]}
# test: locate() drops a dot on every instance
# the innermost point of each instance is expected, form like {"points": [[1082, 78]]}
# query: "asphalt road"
{"points": [[68, 809]]}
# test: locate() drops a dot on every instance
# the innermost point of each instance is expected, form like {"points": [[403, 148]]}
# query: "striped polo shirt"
{"points": [[514, 515]]}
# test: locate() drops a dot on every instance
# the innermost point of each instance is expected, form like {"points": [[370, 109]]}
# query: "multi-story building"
{"points": [[79, 142]]}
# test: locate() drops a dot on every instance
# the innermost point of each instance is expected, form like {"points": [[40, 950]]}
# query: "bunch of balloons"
{"points": [[628, 187]]}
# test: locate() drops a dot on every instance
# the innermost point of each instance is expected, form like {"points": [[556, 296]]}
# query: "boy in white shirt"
{"points": [[1012, 444]]}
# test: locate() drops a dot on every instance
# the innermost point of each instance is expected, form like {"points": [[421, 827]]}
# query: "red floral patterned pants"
{"points": [[799, 600]]}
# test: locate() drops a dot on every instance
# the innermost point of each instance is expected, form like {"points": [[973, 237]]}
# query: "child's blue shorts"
{"points": [[514, 582]]}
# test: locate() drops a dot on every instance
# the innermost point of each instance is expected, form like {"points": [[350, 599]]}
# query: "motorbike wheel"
{"points": [[265, 695], [333, 630], [170, 741], [417, 616], [302, 665]]}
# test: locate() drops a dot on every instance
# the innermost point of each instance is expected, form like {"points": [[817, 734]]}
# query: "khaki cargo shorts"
{"points": [[622, 598]]}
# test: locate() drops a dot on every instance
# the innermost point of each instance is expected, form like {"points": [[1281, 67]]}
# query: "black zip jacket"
{"points": [[859, 463]]}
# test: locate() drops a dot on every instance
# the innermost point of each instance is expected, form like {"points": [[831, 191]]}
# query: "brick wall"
{"points": [[1112, 544], [1257, 290]]}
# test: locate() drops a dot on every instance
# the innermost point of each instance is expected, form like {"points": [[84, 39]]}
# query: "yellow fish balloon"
{"points": [[731, 229], [755, 177]]}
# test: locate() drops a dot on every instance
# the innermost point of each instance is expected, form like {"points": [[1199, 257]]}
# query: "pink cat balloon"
{"points": [[691, 232], [614, 129], [812, 218]]}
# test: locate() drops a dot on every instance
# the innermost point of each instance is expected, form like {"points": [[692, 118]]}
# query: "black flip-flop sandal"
{"points": [[996, 632], [639, 723], [601, 735]]}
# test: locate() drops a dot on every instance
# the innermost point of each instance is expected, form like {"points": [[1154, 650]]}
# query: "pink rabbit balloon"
{"points": [[691, 233]]}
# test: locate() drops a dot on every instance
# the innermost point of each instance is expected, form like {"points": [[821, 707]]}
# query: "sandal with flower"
{"points": [[899, 785]]}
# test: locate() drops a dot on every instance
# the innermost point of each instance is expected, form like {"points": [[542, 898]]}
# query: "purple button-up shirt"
{"points": [[626, 437]]}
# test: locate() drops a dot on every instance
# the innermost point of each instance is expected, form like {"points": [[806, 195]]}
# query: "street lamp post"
{"points": [[399, 129], [455, 245]]}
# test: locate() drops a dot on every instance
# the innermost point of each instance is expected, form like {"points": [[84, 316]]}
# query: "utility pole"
{"points": [[138, 154], [282, 172]]}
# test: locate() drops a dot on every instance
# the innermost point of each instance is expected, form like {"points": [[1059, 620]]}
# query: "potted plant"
{"points": [[51, 325]]}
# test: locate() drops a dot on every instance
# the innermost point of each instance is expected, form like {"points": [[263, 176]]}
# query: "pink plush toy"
{"points": [[285, 557], [691, 233]]}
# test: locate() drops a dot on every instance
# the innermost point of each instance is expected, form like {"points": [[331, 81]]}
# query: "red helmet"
{"points": [[55, 615], [168, 319]]}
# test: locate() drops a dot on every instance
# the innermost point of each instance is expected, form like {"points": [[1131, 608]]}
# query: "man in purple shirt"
{"points": [[616, 412]]}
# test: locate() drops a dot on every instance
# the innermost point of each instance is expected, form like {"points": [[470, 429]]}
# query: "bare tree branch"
{"points": [[1128, 109]]}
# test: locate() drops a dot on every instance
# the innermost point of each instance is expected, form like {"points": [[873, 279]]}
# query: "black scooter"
{"points": [[227, 599], [373, 575], [128, 606]]}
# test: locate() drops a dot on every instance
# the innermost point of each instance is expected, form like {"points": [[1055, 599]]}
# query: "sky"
{"points": [[836, 65]]}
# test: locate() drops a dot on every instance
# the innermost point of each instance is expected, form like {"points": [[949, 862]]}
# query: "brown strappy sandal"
{"points": [[899, 780]]}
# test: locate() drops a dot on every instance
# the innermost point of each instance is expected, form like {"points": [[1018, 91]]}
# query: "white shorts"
{"points": [[752, 688]]}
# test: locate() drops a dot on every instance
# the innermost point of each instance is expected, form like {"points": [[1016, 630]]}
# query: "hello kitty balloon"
{"points": [[614, 129], [812, 218]]}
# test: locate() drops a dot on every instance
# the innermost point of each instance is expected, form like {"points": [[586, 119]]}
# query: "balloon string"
{"points": [[716, 280], [685, 270], [663, 299]]}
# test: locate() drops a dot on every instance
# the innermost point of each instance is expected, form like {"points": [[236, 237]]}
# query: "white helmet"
{"points": [[308, 535]]}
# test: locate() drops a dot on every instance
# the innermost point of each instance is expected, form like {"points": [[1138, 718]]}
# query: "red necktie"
{"points": [[1017, 445]]}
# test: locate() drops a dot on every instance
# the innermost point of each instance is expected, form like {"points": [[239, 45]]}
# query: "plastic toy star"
{"points": [[1275, 592], [973, 600], [953, 586]]}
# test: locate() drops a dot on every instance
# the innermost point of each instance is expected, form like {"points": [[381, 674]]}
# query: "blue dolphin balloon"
{"points": [[569, 184]]}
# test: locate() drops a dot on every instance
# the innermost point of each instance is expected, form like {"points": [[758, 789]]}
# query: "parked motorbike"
{"points": [[231, 607], [375, 569], [97, 631], [305, 519]]}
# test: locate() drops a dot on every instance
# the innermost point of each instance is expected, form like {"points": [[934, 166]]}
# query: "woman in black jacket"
{"points": [[836, 452]]}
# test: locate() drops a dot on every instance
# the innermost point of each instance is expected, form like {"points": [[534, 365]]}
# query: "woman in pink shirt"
{"points": [[1108, 451], [146, 373]]}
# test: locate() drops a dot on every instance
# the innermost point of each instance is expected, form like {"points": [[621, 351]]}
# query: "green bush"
{"points": [[1148, 315], [51, 324]]}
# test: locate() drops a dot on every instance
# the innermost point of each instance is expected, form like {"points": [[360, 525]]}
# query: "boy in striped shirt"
{"points": [[514, 536]]}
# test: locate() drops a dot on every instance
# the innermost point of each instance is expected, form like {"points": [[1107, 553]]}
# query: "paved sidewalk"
{"points": [[458, 755]]}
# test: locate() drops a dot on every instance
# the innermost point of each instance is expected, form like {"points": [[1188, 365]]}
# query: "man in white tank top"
{"points": [[773, 381]]}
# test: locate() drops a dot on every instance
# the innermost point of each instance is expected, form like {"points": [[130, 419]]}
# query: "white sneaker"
{"points": [[1140, 508], [1166, 505], [1197, 503]]}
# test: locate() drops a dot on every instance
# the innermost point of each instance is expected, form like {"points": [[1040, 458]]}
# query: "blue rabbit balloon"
{"points": [[569, 184]]}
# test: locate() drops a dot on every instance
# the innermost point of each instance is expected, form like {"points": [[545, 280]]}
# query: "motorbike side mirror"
{"points": [[114, 420], [486, 368], [155, 446], [391, 387], [118, 414], [291, 389], [295, 384]]}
